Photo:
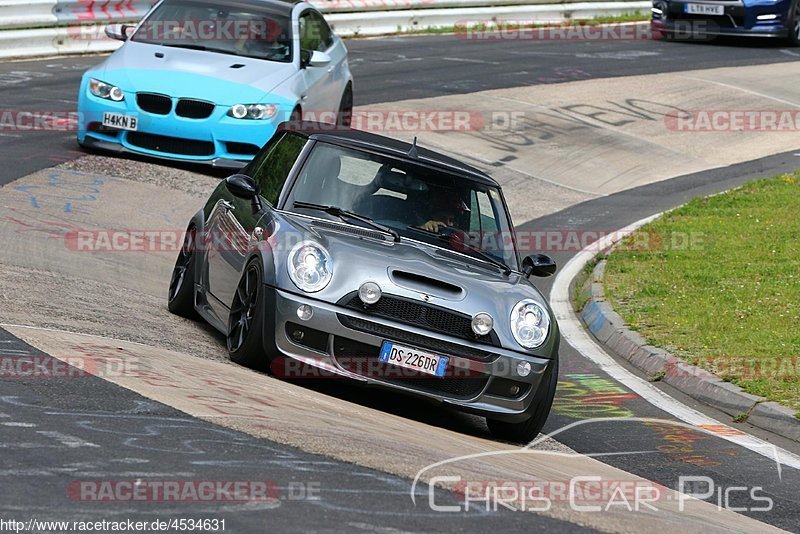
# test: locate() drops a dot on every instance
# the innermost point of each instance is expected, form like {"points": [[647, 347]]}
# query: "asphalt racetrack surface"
{"points": [[55, 432]]}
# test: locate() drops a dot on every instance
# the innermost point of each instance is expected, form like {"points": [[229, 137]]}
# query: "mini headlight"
{"points": [[105, 90], [530, 323], [253, 111], [310, 266], [482, 324]]}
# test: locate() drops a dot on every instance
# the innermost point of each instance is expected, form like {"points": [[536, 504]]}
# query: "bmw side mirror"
{"points": [[242, 186], [538, 265], [118, 31], [319, 59]]}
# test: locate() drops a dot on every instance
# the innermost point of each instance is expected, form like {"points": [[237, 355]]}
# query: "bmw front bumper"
{"points": [[218, 140]]}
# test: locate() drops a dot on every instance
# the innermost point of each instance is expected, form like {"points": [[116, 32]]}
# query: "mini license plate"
{"points": [[121, 121], [704, 9], [415, 359]]}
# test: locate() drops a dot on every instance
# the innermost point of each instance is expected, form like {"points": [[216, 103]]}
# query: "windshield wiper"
{"points": [[344, 214], [199, 47], [478, 252]]}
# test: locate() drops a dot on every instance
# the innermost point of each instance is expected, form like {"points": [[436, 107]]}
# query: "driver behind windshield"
{"points": [[447, 210]]}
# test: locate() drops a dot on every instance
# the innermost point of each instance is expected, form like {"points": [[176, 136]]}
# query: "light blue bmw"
{"points": [[209, 81]]}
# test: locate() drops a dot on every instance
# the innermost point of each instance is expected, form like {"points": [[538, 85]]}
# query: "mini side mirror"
{"points": [[538, 265], [242, 186]]}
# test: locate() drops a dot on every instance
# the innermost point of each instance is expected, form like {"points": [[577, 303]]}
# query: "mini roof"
{"points": [[388, 146]]}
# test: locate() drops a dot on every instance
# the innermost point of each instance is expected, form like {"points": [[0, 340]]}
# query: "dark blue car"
{"points": [[688, 19]]}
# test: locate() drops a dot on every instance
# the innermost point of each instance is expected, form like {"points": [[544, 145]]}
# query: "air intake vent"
{"points": [[418, 282], [237, 65]]}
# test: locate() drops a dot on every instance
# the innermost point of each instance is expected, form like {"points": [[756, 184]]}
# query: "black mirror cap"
{"points": [[538, 265], [242, 186], [305, 57]]}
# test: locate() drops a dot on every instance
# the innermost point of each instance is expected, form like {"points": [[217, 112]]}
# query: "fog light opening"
{"points": [[304, 313], [767, 17], [523, 369]]}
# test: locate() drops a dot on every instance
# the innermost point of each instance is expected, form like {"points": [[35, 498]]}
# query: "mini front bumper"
{"points": [[218, 140], [480, 386]]}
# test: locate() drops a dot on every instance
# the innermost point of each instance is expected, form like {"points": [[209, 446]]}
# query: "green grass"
{"points": [[731, 302]]}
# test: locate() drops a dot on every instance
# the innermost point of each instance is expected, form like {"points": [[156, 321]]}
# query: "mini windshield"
{"points": [[417, 201], [240, 29]]}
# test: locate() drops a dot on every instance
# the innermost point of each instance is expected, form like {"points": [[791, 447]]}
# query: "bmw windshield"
{"points": [[413, 200], [244, 29]]}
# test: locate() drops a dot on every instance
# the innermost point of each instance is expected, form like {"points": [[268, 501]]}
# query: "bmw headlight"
{"points": [[530, 323], [253, 111], [310, 266], [106, 90]]}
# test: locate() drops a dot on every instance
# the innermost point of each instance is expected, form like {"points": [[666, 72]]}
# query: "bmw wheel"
{"points": [[180, 299], [346, 107], [526, 431]]}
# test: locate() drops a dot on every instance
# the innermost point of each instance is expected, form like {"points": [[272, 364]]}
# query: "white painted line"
{"points": [[73, 442], [742, 89], [18, 424], [576, 335]]}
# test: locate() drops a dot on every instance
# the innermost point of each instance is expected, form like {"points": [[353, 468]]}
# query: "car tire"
{"points": [[245, 339], [345, 116], [180, 298], [526, 431], [794, 24]]}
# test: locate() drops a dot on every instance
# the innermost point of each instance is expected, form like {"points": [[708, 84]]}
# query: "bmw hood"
{"points": [[220, 78]]}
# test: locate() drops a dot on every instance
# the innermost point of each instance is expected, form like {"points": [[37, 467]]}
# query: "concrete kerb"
{"points": [[610, 330]]}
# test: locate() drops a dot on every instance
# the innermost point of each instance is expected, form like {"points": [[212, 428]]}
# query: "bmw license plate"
{"points": [[120, 121], [704, 9], [414, 359]]}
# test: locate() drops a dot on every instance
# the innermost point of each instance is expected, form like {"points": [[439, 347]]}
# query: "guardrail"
{"points": [[50, 27]]}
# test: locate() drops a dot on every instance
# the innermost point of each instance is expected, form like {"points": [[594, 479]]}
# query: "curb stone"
{"points": [[610, 330]]}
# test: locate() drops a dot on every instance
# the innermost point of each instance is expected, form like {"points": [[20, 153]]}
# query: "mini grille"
{"points": [[422, 315], [434, 345]]}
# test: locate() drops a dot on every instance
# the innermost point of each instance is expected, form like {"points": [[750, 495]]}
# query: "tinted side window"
{"points": [[315, 34], [272, 168]]}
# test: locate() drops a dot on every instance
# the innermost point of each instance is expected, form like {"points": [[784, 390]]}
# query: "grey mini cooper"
{"points": [[338, 252]]}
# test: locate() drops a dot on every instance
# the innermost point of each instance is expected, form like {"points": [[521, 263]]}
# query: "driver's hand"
{"points": [[434, 226]]}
